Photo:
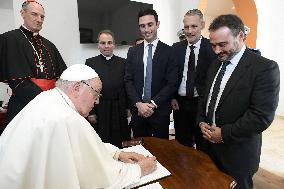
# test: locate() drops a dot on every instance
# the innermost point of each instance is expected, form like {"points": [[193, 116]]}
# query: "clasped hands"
{"points": [[211, 133], [147, 164], [145, 109]]}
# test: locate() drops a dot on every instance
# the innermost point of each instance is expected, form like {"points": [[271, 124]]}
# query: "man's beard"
{"points": [[229, 54], [227, 57]]}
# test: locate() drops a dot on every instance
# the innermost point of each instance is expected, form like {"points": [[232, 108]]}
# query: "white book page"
{"points": [[160, 172]]}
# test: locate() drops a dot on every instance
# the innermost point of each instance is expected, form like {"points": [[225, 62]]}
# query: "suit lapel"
{"points": [[157, 54], [201, 54], [182, 52], [237, 74], [140, 53], [211, 75]]}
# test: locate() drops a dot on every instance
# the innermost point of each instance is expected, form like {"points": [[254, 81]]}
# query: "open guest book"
{"points": [[160, 172]]}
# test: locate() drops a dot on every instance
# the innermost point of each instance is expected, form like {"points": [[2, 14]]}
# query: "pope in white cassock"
{"points": [[50, 145]]}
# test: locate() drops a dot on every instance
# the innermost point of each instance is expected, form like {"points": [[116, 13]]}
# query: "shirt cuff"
{"points": [[116, 155], [152, 101]]}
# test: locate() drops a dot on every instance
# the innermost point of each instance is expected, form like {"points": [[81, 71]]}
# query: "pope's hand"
{"points": [[147, 165], [130, 157]]}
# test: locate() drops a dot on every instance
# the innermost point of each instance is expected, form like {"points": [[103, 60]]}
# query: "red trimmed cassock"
{"points": [[30, 64]]}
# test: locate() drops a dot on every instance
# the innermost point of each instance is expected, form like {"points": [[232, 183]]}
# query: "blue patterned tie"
{"points": [[215, 92], [148, 78]]}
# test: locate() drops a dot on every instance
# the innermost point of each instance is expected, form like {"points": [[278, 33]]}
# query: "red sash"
{"points": [[44, 84]]}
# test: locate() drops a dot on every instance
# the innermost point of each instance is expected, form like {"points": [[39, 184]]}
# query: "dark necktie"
{"points": [[190, 73], [215, 92], [148, 78]]}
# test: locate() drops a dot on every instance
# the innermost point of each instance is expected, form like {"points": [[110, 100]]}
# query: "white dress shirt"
{"points": [[182, 87]]}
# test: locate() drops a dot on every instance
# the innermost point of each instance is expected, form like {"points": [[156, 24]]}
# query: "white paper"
{"points": [[160, 172]]}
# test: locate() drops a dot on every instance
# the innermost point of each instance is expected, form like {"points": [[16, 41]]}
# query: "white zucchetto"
{"points": [[78, 72]]}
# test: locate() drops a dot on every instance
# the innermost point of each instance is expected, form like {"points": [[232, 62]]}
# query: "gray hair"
{"points": [[193, 12], [64, 85]]}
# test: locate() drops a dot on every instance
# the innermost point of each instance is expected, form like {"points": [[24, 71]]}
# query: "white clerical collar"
{"points": [[66, 99], [34, 34], [197, 44], [155, 43], [107, 57]]}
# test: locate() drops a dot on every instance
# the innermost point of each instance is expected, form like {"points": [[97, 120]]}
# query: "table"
{"points": [[190, 168]]}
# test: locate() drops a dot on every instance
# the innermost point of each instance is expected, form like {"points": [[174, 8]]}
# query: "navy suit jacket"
{"points": [[246, 108], [205, 57], [164, 75]]}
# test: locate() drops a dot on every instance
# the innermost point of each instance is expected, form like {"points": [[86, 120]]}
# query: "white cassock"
{"points": [[49, 145]]}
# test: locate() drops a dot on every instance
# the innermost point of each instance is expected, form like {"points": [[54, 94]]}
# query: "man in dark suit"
{"points": [[150, 80], [240, 100], [191, 78]]}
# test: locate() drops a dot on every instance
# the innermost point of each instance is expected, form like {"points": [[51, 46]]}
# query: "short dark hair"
{"points": [[148, 11], [109, 32], [27, 2], [233, 22]]}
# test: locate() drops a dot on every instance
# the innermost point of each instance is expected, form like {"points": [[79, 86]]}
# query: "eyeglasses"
{"points": [[94, 92]]}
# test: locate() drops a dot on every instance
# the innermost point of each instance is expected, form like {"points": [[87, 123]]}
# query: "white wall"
{"points": [[270, 38], [6, 20], [186, 5], [169, 25]]}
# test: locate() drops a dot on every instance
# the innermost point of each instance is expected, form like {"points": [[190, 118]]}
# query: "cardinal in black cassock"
{"points": [[29, 63]]}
